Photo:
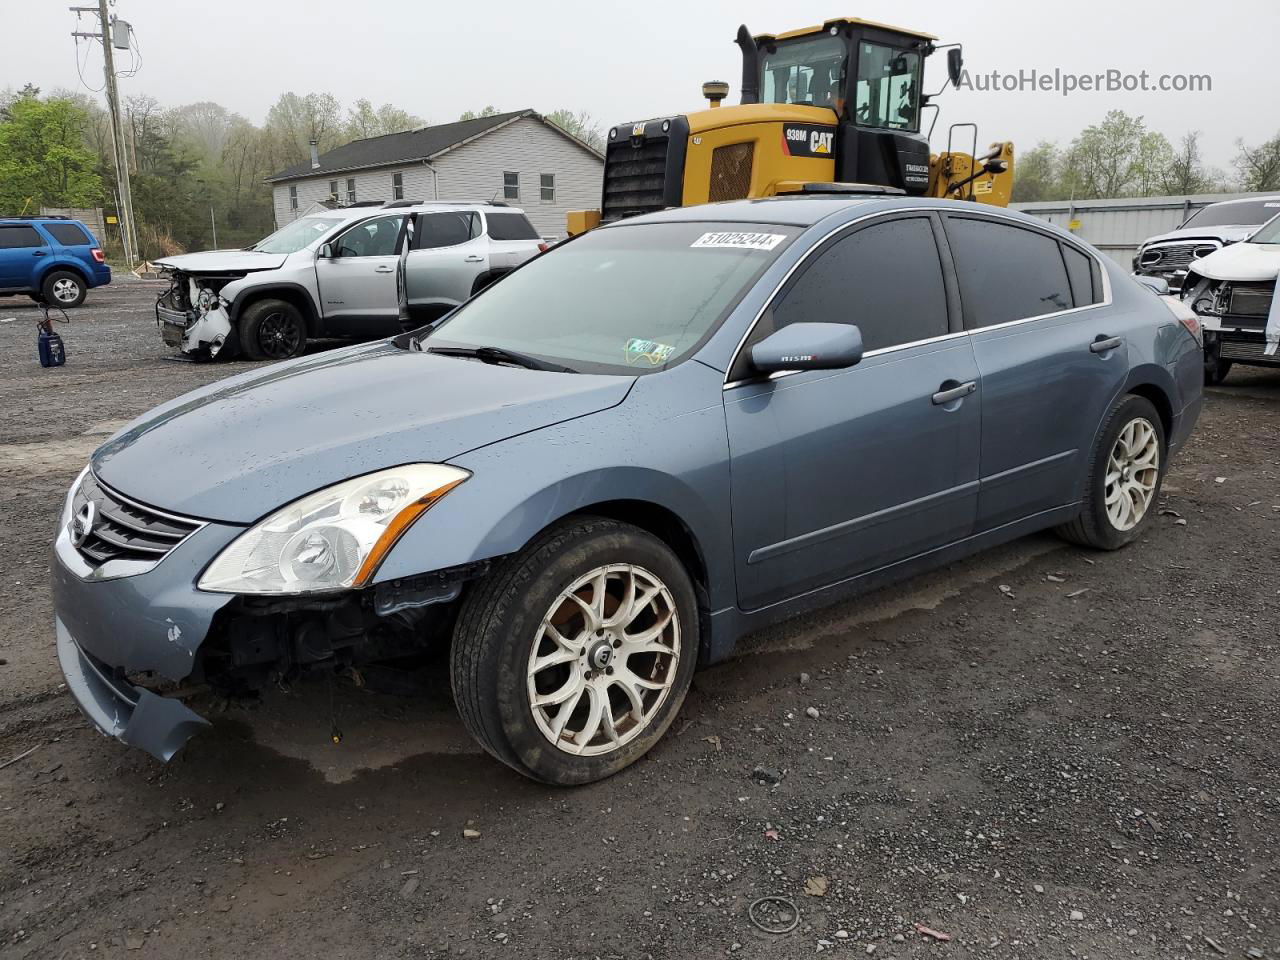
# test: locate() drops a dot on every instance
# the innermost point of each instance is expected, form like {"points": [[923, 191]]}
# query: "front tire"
{"points": [[64, 289], [272, 330], [1126, 469], [571, 658], [1215, 371]]}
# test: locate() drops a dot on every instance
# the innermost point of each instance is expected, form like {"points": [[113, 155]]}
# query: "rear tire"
{"points": [[272, 330], [1126, 469], [1216, 370], [65, 289], [597, 613]]}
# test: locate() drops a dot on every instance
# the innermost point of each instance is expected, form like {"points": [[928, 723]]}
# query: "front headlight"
{"points": [[332, 539]]}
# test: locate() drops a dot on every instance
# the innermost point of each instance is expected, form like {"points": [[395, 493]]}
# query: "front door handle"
{"points": [[38, 253], [951, 394], [384, 269], [473, 259], [1103, 344]]}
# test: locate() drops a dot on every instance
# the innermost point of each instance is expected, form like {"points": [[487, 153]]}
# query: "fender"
{"points": [[250, 291], [60, 262]]}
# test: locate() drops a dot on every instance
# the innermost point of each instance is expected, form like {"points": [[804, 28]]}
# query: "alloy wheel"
{"points": [[65, 290], [279, 336], [1133, 470], [604, 659]]}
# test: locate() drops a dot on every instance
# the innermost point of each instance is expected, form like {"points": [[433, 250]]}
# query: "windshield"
{"points": [[1234, 214], [627, 299], [294, 236], [1268, 234], [809, 71], [888, 89]]}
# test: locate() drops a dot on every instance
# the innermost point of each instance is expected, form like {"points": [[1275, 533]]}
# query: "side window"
{"points": [[351, 190], [333, 190], [444, 230], [886, 278], [510, 226], [511, 186], [373, 238], [293, 197], [14, 237], [397, 186], [1005, 272], [548, 187], [1080, 270], [67, 234]]}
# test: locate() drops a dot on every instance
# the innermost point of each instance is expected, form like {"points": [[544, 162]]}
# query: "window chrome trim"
{"points": [[1106, 300]]}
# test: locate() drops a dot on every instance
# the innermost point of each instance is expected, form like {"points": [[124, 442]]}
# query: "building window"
{"points": [[333, 190], [511, 186], [397, 186], [351, 189], [293, 197], [548, 188]]}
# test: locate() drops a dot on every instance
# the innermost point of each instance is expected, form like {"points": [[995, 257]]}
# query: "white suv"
{"points": [[332, 273]]}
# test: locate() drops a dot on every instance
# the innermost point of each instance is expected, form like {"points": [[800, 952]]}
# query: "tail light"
{"points": [[543, 248], [1186, 316], [97, 255]]}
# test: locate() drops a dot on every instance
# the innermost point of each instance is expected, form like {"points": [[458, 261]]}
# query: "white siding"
{"points": [[474, 172]]}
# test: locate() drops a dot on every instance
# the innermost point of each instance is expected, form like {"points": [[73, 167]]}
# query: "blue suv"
{"points": [[51, 258]]}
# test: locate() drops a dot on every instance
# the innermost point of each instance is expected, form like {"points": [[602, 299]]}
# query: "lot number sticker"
{"points": [[740, 241]]}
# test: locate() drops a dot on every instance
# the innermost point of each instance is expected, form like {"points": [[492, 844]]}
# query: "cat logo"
{"points": [[808, 140], [820, 141], [637, 129]]}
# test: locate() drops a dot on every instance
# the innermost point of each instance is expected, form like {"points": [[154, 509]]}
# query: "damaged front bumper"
{"points": [[192, 332]]}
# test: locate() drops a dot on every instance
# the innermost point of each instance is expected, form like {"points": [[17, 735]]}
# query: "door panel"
{"points": [[22, 250], [358, 285], [445, 275], [837, 474]]}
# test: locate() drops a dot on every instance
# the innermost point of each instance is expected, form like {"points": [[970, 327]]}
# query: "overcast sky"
{"points": [[632, 61]]}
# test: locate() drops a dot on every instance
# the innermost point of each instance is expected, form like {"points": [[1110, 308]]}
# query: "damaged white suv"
{"points": [[332, 273]]}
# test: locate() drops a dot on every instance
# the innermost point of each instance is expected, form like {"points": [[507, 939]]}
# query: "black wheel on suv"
{"points": [[572, 657], [64, 289], [1215, 370], [1122, 485], [272, 330]]}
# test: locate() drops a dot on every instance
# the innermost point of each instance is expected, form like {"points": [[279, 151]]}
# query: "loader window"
{"points": [[888, 92], [810, 71]]}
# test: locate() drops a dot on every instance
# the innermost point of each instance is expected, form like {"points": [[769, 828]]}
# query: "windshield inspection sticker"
{"points": [[653, 351], [740, 241]]}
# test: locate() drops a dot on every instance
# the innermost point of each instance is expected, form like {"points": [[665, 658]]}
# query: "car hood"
{"points": [[239, 449], [223, 261], [1242, 262], [1227, 234]]}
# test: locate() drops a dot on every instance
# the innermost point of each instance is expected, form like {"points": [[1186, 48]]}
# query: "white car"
{"points": [[332, 273]]}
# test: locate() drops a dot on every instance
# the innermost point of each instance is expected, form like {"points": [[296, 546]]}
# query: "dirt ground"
{"points": [[1041, 752]]}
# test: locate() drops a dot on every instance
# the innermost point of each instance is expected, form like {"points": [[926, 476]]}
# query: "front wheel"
{"points": [[272, 330], [1126, 469], [1216, 370], [572, 658]]}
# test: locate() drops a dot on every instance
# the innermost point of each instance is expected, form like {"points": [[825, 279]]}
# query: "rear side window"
{"points": [[886, 278], [24, 236], [445, 229], [1005, 272], [510, 226], [1080, 271], [68, 234]]}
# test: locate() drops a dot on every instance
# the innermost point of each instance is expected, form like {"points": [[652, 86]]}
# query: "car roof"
{"points": [[425, 206], [14, 221], [1261, 198]]}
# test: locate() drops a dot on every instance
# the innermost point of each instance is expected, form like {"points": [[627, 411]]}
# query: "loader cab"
{"points": [[869, 74]]}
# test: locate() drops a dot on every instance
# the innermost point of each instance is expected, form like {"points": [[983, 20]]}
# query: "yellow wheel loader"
{"points": [[835, 108]]}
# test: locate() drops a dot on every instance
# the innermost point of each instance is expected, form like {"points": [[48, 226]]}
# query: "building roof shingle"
{"points": [[421, 144]]}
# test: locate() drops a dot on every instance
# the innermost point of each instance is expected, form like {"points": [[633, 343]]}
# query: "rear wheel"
{"points": [[1125, 473], [63, 288], [272, 330], [572, 658]]}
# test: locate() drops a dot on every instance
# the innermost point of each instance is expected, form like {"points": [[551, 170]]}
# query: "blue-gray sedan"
{"points": [[609, 467]]}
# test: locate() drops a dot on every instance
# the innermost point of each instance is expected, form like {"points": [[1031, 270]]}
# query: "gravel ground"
{"points": [[1041, 752]]}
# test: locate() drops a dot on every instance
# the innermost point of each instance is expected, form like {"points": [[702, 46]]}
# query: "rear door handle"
{"points": [[473, 259], [1103, 344], [38, 253], [954, 393], [384, 269]]}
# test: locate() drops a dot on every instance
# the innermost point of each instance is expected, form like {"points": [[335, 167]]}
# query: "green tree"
{"points": [[294, 121], [1151, 162], [1103, 159], [1259, 167], [1035, 173], [363, 120], [488, 111], [581, 125], [43, 158], [1186, 172]]}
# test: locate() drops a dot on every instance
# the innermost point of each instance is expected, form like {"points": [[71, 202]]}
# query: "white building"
{"points": [[518, 157]]}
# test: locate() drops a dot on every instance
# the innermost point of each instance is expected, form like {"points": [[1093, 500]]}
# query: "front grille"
{"points": [[635, 178], [1162, 257], [731, 172], [121, 529], [1249, 348], [1251, 299]]}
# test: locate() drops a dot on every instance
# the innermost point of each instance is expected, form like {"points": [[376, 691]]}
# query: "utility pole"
{"points": [[128, 228]]}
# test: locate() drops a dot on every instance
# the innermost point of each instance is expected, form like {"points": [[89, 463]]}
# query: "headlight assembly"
{"points": [[332, 539]]}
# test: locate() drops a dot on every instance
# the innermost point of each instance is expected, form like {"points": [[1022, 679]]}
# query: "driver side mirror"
{"points": [[955, 65], [808, 346], [326, 251]]}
